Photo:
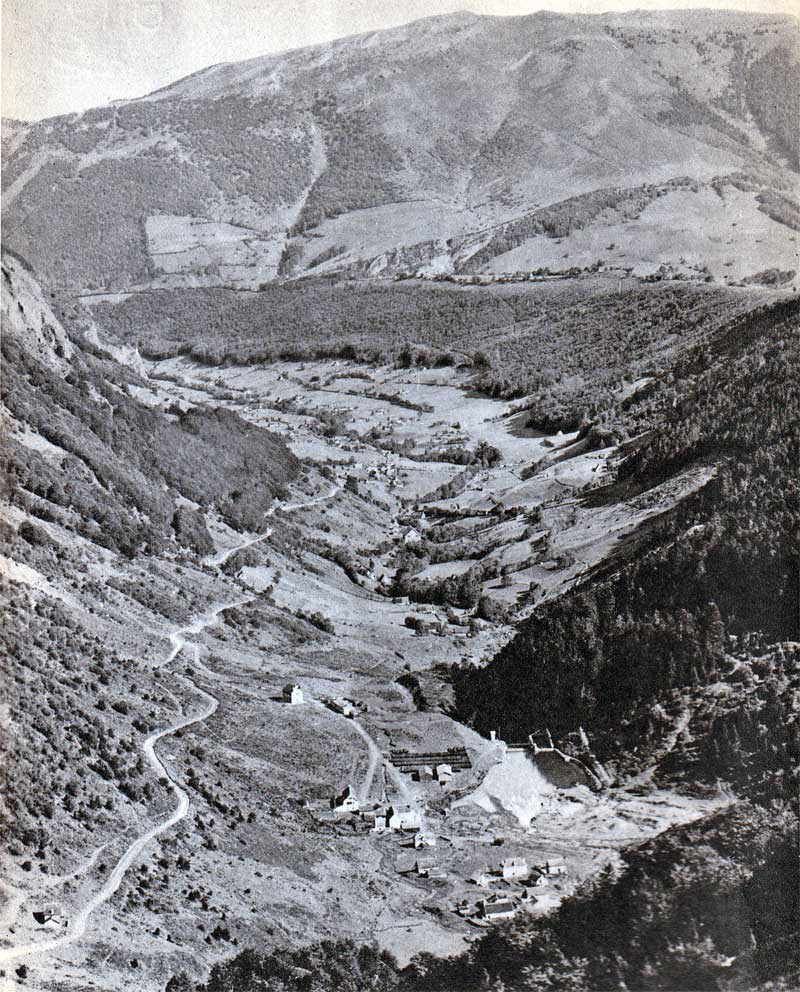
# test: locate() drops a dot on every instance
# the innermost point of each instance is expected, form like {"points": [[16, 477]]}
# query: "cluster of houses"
{"points": [[441, 773], [517, 869], [424, 866], [381, 818], [516, 881], [512, 872]]}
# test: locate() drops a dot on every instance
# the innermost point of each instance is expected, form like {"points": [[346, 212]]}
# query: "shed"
{"points": [[423, 839]]}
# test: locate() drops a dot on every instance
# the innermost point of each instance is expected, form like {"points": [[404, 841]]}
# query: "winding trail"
{"points": [[375, 756], [79, 921], [220, 557]]}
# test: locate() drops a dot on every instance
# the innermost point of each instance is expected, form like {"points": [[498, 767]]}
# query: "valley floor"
{"points": [[238, 847]]}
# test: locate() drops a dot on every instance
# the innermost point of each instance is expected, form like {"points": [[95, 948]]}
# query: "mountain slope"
{"points": [[73, 449], [407, 148]]}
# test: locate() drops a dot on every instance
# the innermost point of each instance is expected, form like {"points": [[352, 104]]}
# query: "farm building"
{"points": [[443, 773], [347, 802], [50, 918], [424, 865], [342, 706], [409, 761], [293, 694], [403, 818], [496, 909], [422, 839], [483, 879]]}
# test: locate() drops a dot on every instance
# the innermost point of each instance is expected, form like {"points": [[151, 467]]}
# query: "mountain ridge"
{"points": [[401, 150]]}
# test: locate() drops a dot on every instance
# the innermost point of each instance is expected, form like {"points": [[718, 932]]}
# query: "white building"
{"points": [[403, 818], [347, 802], [341, 705], [497, 909], [514, 869], [422, 839], [483, 879], [293, 694]]}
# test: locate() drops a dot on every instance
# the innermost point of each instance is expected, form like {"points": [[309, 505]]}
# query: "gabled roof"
{"points": [[498, 908]]}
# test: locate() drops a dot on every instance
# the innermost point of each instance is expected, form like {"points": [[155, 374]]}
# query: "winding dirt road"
{"points": [[80, 919], [220, 557]]}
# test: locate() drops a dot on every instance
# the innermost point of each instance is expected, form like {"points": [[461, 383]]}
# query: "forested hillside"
{"points": [[76, 452], [723, 564], [566, 347]]}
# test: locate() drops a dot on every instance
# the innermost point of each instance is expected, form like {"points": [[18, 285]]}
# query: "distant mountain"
{"points": [[458, 143]]}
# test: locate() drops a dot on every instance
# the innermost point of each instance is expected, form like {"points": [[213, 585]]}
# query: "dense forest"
{"points": [[537, 341], [718, 573]]}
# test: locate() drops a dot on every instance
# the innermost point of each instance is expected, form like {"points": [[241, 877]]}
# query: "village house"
{"points": [[380, 823], [496, 909], [423, 865], [369, 812], [49, 918], [403, 818], [341, 705], [443, 773], [483, 879], [293, 694], [514, 869], [423, 839], [347, 802]]}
